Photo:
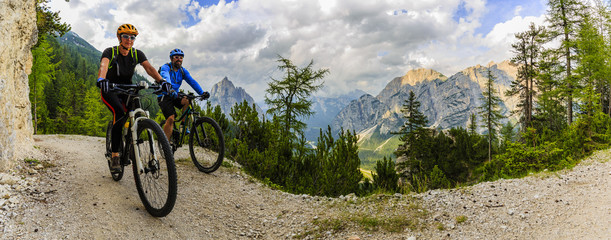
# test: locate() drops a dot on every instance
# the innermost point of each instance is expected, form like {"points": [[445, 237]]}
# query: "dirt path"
{"points": [[77, 199]]}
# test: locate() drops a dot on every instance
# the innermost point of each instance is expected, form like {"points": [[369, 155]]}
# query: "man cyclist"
{"points": [[176, 74], [117, 65]]}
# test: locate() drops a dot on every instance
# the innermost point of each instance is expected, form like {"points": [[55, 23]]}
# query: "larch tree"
{"points": [[289, 98], [563, 18], [527, 52], [490, 111]]}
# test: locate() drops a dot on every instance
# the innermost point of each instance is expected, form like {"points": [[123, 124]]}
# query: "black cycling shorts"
{"points": [[167, 105]]}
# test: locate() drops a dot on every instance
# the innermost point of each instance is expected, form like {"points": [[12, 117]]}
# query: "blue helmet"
{"points": [[176, 52]]}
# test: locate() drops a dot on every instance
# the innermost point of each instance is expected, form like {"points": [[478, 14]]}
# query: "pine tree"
{"points": [[288, 98], [564, 17], [43, 72], [416, 120], [48, 22], [339, 163], [95, 114], [416, 143], [593, 67], [490, 110], [550, 114], [507, 135], [527, 52], [250, 130], [385, 176], [289, 102], [473, 124], [601, 19]]}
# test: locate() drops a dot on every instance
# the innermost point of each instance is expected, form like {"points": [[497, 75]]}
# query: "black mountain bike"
{"points": [[206, 141], [145, 144]]}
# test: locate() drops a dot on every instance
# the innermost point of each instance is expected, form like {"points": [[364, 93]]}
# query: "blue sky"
{"points": [[504, 10], [364, 44], [208, 3], [192, 18]]}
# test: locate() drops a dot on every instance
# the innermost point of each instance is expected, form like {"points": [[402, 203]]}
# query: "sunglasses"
{"points": [[125, 36]]}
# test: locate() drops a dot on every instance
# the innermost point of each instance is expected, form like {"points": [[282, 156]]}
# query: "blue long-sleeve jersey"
{"points": [[175, 78]]}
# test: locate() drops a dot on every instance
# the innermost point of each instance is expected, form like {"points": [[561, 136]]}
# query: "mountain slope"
{"points": [[447, 102], [84, 48]]}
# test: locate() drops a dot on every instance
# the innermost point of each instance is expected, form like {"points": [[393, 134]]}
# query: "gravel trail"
{"points": [[70, 195]]}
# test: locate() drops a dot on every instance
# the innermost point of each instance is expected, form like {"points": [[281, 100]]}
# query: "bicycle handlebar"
{"points": [[127, 88], [192, 96]]}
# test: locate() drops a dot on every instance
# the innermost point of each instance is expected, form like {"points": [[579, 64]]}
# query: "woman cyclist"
{"points": [[117, 65]]}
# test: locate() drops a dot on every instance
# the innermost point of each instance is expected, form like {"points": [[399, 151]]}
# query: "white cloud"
{"points": [[241, 40], [517, 10]]}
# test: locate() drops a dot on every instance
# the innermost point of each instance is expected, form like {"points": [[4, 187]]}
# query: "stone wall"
{"points": [[18, 34]]}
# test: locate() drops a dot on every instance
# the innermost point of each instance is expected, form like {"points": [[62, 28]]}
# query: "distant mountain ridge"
{"points": [[325, 109], [72, 38], [447, 102], [226, 95]]}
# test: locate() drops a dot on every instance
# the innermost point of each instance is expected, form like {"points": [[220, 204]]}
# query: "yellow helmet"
{"points": [[127, 29]]}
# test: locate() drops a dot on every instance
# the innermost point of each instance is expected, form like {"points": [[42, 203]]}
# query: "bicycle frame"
{"points": [[134, 100], [145, 144], [185, 114]]}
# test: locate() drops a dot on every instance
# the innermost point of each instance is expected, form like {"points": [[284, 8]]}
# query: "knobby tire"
{"points": [[157, 185], [117, 176], [206, 145]]}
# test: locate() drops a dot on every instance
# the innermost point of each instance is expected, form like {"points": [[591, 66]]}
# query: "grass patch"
{"points": [[226, 164], [381, 212], [368, 223], [334, 225], [31, 161], [183, 161], [34, 162], [461, 219]]}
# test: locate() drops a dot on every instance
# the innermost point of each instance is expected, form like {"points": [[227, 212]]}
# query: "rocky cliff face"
{"points": [[447, 102], [17, 35], [225, 94]]}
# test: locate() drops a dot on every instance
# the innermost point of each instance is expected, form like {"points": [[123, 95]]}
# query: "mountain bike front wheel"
{"points": [[156, 183], [115, 175], [206, 144]]}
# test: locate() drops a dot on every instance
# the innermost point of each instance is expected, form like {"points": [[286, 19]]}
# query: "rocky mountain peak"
{"points": [[415, 76], [508, 67], [226, 83], [226, 94]]}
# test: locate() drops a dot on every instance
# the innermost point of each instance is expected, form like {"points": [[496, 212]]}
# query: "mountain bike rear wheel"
{"points": [[115, 175], [206, 144], [156, 184]]}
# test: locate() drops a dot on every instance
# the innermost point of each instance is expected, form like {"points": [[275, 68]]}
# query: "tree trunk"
{"points": [[35, 106], [568, 66], [609, 102]]}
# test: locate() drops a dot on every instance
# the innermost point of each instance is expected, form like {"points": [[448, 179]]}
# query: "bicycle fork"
{"points": [[135, 140]]}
